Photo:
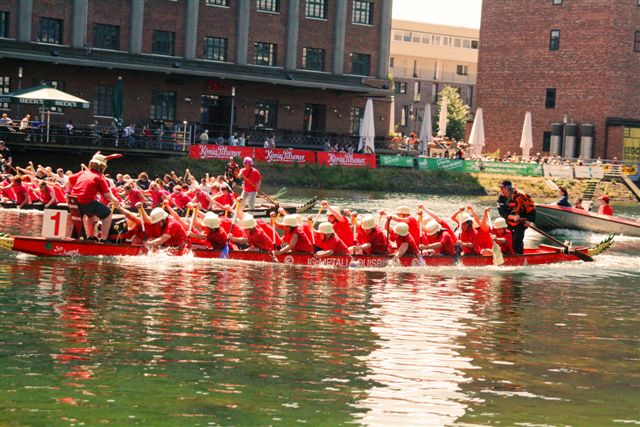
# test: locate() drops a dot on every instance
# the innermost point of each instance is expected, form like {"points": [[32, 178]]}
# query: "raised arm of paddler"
{"points": [[167, 207], [333, 210], [454, 217]]}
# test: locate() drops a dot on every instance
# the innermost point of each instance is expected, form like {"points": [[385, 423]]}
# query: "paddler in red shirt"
{"points": [[468, 237], [134, 195], [294, 236], [20, 193], [179, 198], [406, 245], [224, 199], [251, 180], [440, 242], [502, 236], [85, 186], [213, 234], [46, 194], [173, 233], [370, 239], [403, 214], [483, 229], [340, 223], [254, 236], [605, 208], [329, 242]]}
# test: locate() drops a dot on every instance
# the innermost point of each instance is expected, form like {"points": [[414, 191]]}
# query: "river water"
{"points": [[161, 341]]}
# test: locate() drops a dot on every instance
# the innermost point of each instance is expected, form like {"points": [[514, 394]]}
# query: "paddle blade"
{"points": [[498, 259], [224, 253]]}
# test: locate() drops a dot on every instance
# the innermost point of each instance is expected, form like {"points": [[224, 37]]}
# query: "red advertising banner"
{"points": [[347, 160], [285, 156], [209, 151]]}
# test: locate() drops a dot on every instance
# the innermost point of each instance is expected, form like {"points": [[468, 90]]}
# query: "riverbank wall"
{"points": [[358, 179]]}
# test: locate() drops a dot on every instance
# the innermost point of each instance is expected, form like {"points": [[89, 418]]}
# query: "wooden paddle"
{"points": [[224, 253], [458, 254], [496, 252], [583, 257], [144, 231]]}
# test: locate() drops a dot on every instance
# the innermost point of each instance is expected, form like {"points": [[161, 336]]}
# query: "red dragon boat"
{"points": [[67, 247]]}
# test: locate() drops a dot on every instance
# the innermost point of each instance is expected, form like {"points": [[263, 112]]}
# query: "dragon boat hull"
{"points": [[65, 247], [550, 217]]}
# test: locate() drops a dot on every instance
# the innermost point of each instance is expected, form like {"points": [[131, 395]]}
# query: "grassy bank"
{"points": [[382, 179]]}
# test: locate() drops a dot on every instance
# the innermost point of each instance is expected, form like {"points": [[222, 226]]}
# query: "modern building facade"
{"points": [[272, 65], [574, 64], [425, 58]]}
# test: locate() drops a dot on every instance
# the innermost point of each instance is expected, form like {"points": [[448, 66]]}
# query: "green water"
{"points": [[160, 341]]}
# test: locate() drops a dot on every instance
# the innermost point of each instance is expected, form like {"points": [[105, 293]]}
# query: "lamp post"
{"points": [[19, 87], [564, 135], [233, 99]]}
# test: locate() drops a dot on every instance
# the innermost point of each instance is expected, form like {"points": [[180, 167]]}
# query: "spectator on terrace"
{"points": [[204, 137], [242, 141], [219, 140], [326, 145]]}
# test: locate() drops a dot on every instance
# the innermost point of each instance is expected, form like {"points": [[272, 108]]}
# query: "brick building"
{"points": [[303, 66], [425, 58], [567, 61]]}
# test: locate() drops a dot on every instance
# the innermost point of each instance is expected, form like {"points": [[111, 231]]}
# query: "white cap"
{"points": [[99, 159], [403, 210], [248, 222], [500, 223], [325, 228], [211, 220], [368, 222], [433, 227], [401, 229], [290, 220], [157, 215]]}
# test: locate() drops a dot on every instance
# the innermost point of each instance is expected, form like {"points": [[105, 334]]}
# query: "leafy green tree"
{"points": [[457, 112]]}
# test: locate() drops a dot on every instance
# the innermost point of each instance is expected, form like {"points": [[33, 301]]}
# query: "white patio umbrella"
{"points": [[367, 129], [476, 138], [425, 129], [442, 121], [526, 141]]}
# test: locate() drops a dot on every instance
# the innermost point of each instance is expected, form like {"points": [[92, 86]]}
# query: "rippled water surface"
{"points": [[164, 341]]}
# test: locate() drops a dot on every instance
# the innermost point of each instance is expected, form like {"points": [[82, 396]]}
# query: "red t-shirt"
{"points": [[217, 238], [605, 210], [203, 199], [303, 244], [134, 196], [20, 192], [224, 199], [414, 228], [507, 246], [252, 177], [45, 196], [225, 224], [344, 231], [376, 238], [157, 197], [178, 234], [484, 239], [333, 243], [180, 199], [413, 247], [446, 245], [259, 239], [266, 227], [470, 236], [87, 184]]}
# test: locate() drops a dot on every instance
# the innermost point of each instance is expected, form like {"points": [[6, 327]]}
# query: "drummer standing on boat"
{"points": [[518, 209], [251, 180]]}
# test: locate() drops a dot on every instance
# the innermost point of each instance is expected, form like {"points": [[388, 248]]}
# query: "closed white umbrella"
{"points": [[425, 129], [442, 121], [476, 138], [526, 141], [367, 129]]}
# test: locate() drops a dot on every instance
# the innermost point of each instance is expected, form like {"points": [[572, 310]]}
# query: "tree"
{"points": [[457, 112]]}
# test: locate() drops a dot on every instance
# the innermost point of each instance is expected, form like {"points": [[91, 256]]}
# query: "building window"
{"points": [[218, 3], [106, 36], [636, 43], [554, 40], [391, 61], [470, 96], [5, 88], [360, 64], [4, 24], [556, 2], [266, 54], [550, 98], [163, 105], [268, 5], [162, 43], [316, 9], [546, 141], [434, 92], [266, 114], [362, 12], [401, 87], [355, 118], [50, 31], [315, 117], [313, 59], [102, 103], [462, 70], [474, 44], [404, 113], [397, 36], [215, 48]]}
